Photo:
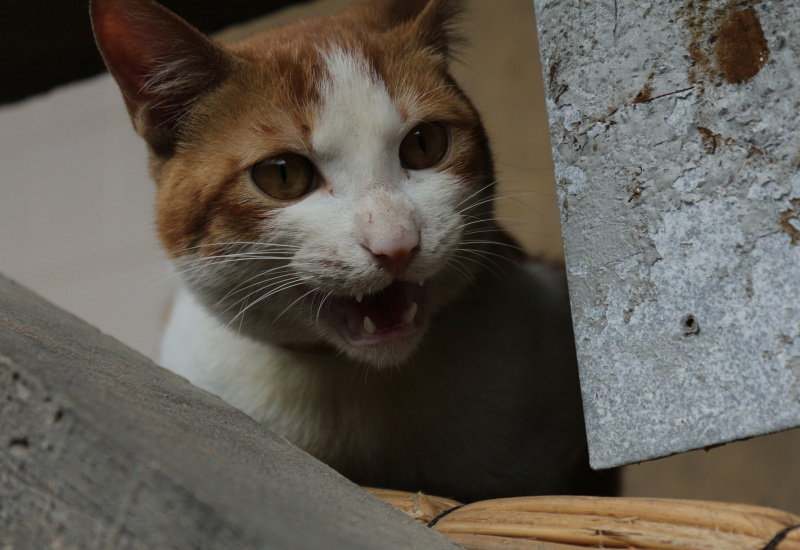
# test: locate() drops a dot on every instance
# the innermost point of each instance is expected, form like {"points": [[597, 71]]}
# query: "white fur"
{"points": [[486, 404], [357, 134]]}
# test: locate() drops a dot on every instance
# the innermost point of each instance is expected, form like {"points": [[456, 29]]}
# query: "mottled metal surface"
{"points": [[675, 129]]}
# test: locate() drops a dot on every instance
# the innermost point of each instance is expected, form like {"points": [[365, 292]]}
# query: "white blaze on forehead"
{"points": [[357, 129]]}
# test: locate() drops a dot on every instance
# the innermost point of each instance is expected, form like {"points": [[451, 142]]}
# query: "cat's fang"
{"points": [[369, 326], [359, 297], [410, 313]]}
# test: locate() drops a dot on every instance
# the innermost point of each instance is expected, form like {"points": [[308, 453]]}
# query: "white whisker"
{"points": [[272, 292], [287, 308]]}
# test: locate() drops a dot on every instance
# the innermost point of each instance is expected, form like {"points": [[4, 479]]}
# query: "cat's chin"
{"points": [[382, 328]]}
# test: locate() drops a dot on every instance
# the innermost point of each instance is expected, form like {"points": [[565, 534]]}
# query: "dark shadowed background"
{"points": [[49, 42]]}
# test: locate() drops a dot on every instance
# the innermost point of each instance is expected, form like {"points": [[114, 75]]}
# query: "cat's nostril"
{"points": [[397, 262], [395, 255]]}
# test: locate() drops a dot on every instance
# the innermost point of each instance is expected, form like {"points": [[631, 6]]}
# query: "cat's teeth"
{"points": [[369, 326], [410, 313], [421, 282], [359, 297]]}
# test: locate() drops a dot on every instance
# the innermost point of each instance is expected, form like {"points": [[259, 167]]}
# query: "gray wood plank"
{"points": [[103, 449]]}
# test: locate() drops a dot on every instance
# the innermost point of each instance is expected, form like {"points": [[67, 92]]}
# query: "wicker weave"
{"points": [[572, 523]]}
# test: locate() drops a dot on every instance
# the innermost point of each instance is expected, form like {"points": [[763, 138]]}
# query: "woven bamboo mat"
{"points": [[574, 523]]}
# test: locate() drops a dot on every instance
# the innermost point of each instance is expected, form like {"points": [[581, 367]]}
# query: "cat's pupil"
{"points": [[284, 172], [422, 144]]}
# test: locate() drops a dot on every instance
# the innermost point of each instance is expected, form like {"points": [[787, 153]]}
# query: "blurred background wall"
{"points": [[76, 201]]}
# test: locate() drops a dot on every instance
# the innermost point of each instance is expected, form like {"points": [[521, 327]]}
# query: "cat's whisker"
{"points": [[193, 270], [416, 101], [496, 243], [177, 270], [483, 231], [494, 199], [282, 284], [188, 266], [487, 256], [246, 254], [225, 244], [241, 318], [216, 265], [269, 277], [487, 222], [481, 262], [504, 219], [533, 192], [264, 284], [527, 227], [455, 264], [272, 292], [269, 273], [478, 192], [322, 303], [417, 115], [210, 261], [287, 308], [153, 281]]}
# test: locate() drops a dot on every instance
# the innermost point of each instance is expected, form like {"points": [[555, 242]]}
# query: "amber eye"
{"points": [[284, 177], [424, 146]]}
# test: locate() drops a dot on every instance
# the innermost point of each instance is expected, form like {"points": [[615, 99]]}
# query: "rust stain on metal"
{"points": [[646, 93], [725, 42], [785, 218], [709, 139], [694, 14], [741, 47]]}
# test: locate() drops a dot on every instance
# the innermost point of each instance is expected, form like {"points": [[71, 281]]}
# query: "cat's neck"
{"points": [[320, 347]]}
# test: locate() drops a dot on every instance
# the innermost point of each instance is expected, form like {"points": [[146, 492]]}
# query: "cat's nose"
{"points": [[394, 253]]}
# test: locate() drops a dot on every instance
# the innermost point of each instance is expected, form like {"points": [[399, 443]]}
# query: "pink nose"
{"points": [[394, 254]]}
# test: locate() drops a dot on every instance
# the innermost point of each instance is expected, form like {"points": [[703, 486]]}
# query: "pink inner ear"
{"points": [[140, 40], [122, 49], [161, 63]]}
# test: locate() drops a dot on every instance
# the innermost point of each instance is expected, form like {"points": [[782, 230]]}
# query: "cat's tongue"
{"points": [[389, 313]]}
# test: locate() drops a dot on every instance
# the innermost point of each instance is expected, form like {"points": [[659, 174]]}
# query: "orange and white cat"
{"points": [[325, 194]]}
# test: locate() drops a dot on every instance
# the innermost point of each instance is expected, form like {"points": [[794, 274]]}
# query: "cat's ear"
{"points": [[160, 62], [430, 22]]}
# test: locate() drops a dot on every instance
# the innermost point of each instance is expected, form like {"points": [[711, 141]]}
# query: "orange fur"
{"points": [[263, 103]]}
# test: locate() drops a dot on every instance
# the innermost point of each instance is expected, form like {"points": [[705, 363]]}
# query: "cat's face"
{"points": [[328, 187]]}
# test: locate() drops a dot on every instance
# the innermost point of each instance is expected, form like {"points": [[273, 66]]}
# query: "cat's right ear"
{"points": [[160, 62]]}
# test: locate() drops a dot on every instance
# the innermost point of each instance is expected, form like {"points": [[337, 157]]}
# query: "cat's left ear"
{"points": [[430, 22], [160, 62]]}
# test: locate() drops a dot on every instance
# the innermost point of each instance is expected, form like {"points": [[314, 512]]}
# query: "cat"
{"points": [[325, 193]]}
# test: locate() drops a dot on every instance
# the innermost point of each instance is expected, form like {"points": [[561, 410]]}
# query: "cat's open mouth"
{"points": [[391, 313]]}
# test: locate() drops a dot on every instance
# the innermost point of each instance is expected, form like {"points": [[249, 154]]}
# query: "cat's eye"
{"points": [[285, 177], [424, 146]]}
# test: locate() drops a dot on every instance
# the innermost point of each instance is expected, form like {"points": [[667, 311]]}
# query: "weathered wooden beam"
{"points": [[103, 449]]}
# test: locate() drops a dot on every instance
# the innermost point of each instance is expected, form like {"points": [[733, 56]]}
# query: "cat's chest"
{"points": [[321, 402], [324, 403]]}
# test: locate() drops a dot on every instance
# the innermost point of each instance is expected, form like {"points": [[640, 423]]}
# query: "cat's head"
{"points": [[321, 185]]}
